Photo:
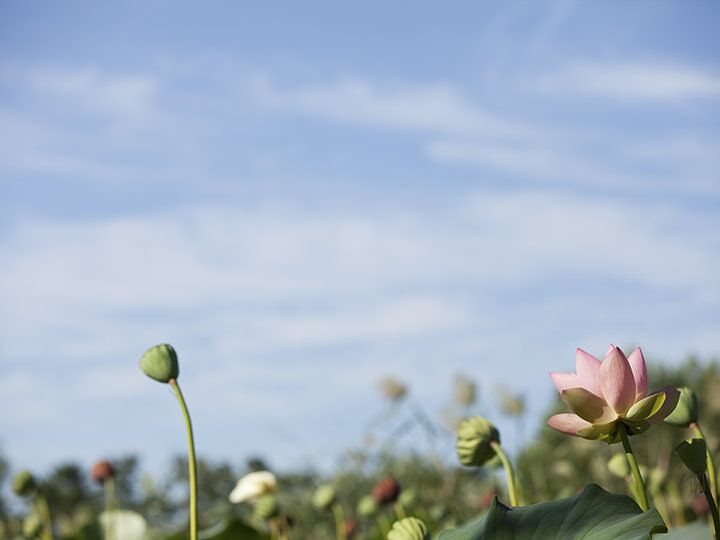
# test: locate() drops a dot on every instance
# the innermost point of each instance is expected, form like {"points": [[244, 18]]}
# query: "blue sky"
{"points": [[304, 199]]}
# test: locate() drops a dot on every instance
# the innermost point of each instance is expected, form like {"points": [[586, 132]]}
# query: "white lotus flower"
{"points": [[252, 486]]}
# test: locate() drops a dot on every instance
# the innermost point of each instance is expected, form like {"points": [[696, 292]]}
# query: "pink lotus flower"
{"points": [[610, 395]]}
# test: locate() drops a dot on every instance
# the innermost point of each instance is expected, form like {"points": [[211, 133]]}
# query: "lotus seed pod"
{"points": [[692, 453], [102, 471], [408, 529], [687, 409], [32, 525], [407, 497], [266, 507], [366, 506], [473, 441], [24, 484], [618, 465], [386, 491], [160, 363], [324, 497]]}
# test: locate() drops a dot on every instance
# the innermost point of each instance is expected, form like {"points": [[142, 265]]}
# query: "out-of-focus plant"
{"points": [[24, 485], [104, 474]]}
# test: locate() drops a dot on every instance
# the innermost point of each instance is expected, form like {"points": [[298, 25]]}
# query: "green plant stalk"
{"points": [[712, 474], [110, 506], [711, 503], [400, 512], [642, 499], [512, 486], [384, 524], [42, 506], [339, 516], [192, 464]]}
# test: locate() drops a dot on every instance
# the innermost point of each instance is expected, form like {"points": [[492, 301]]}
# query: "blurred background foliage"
{"points": [[435, 488]]}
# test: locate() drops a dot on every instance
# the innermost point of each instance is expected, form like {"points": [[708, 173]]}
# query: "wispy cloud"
{"points": [[639, 81]]}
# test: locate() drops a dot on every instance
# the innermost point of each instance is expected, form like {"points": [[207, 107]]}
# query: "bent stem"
{"points": [[698, 432], [42, 506], [711, 503], [339, 516], [192, 465], [641, 494], [512, 486]]}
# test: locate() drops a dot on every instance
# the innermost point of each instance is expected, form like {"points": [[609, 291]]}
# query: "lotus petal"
{"points": [[617, 381], [568, 423], [639, 370]]}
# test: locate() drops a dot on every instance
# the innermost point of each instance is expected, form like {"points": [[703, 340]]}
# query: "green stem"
{"points": [[384, 524], [339, 521], [400, 512], [512, 486], [712, 474], [711, 503], [110, 506], [642, 499], [192, 465], [44, 510]]}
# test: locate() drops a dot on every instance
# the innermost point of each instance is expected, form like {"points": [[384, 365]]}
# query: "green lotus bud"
{"points": [[160, 363], [408, 529], [32, 525], [24, 484], [687, 409], [473, 441], [324, 497], [618, 465], [266, 507], [692, 453], [407, 497], [367, 507]]}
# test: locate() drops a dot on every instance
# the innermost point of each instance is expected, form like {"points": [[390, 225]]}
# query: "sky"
{"points": [[304, 199]]}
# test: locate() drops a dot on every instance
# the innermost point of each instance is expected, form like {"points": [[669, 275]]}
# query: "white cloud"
{"points": [[634, 81], [435, 108]]}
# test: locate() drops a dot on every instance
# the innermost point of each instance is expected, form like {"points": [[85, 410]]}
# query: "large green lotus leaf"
{"points": [[226, 529], [593, 514], [697, 530]]}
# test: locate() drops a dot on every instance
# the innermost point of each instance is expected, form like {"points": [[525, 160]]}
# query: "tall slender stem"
{"points": [[642, 499], [44, 510], [512, 486], [192, 464], [711, 503], [712, 474], [339, 516], [110, 506]]}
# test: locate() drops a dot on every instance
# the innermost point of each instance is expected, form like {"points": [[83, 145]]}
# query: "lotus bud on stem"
{"points": [[478, 441], [687, 414], [161, 363], [692, 453]]}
